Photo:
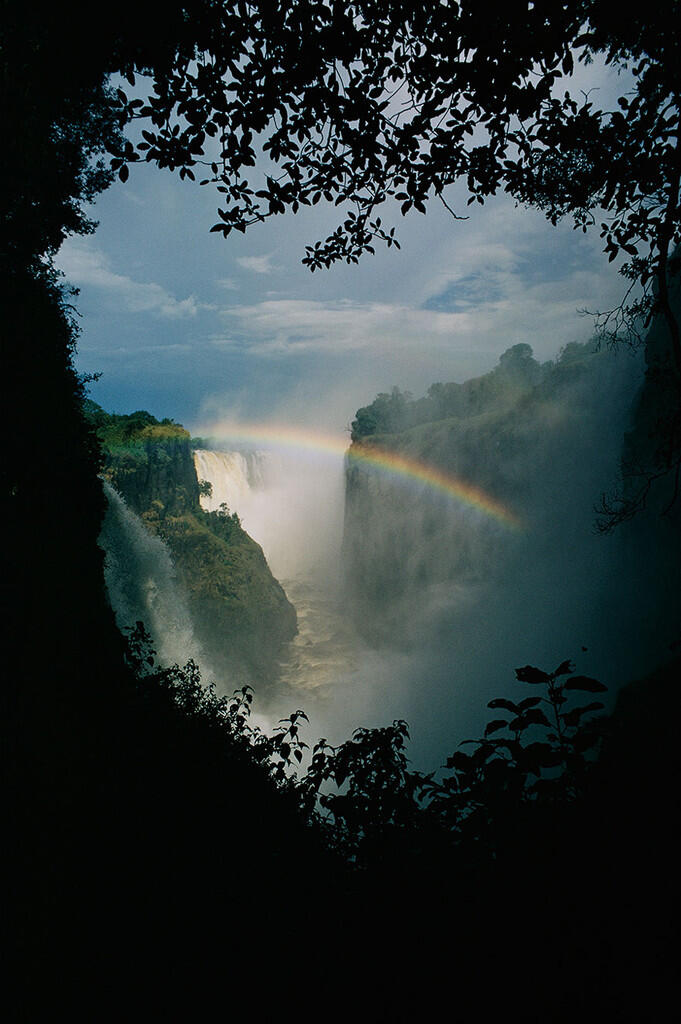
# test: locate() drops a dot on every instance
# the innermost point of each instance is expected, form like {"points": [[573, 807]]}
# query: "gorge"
{"points": [[454, 541], [203, 564], [165, 859]]}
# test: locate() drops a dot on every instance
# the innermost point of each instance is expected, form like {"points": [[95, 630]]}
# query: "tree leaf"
{"points": [[494, 726], [585, 683], [543, 754], [507, 705], [535, 716], [460, 761], [529, 674], [528, 702], [571, 718]]}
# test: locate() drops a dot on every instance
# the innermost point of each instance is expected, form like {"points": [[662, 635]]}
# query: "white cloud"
{"points": [[258, 264], [491, 300], [294, 326], [83, 264]]}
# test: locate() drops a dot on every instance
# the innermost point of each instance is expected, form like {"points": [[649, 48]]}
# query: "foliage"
{"points": [[367, 105], [540, 756], [368, 802], [133, 430], [371, 102], [222, 521], [504, 837], [240, 612], [517, 374], [52, 161], [139, 836], [229, 715], [387, 414]]}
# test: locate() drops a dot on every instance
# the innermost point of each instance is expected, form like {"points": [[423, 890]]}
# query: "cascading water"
{"points": [[470, 610], [142, 583], [293, 508], [233, 476], [291, 505]]}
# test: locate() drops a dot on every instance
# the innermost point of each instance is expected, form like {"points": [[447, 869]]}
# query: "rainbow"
{"points": [[401, 466]]}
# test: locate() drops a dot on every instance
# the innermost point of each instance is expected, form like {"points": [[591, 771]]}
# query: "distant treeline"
{"points": [[118, 430], [518, 372]]}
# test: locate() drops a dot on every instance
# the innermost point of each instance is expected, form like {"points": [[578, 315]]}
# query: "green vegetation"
{"points": [[117, 430], [156, 866], [517, 376], [522, 843], [536, 759], [241, 613], [507, 433]]}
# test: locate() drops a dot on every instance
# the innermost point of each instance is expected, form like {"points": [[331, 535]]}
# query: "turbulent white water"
{"points": [[233, 476], [292, 505], [142, 584], [556, 592], [293, 508]]}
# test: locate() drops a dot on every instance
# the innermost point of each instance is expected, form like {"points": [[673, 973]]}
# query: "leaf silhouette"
{"points": [[460, 761], [571, 718], [585, 683], [528, 702], [535, 716], [507, 705], [529, 674], [494, 726]]}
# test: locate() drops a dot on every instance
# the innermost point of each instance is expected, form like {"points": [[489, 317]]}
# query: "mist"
{"points": [[183, 326], [499, 599], [142, 584]]}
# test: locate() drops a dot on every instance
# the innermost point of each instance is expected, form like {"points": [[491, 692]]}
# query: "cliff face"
{"points": [[651, 457], [154, 466], [402, 537], [485, 471], [240, 612]]}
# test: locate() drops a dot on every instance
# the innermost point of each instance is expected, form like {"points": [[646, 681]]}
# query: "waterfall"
{"points": [[291, 503], [142, 583], [233, 477]]}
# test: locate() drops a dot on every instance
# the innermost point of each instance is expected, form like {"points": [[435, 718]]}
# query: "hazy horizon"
{"points": [[187, 325]]}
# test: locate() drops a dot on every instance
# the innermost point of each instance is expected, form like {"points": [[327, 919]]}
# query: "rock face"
{"points": [[454, 488], [240, 612], [652, 450]]}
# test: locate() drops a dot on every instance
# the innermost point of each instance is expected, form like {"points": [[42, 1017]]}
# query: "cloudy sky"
{"points": [[188, 325], [182, 323]]}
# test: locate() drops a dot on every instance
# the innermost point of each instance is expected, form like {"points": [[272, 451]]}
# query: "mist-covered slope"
{"points": [[240, 613], [523, 437], [500, 561]]}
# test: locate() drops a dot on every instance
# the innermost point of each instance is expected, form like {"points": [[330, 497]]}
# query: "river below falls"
{"points": [[325, 650]]}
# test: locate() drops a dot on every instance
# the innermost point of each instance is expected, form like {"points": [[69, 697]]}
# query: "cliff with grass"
{"points": [[456, 487], [241, 615]]}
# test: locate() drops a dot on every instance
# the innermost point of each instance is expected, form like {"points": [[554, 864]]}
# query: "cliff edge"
{"points": [[240, 612]]}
